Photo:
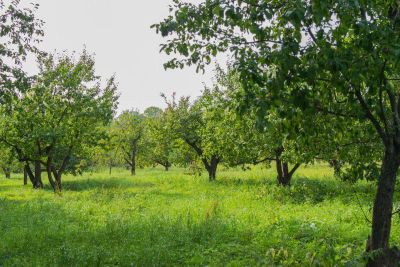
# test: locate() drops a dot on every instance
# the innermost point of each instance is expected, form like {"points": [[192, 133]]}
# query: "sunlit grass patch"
{"points": [[163, 219]]}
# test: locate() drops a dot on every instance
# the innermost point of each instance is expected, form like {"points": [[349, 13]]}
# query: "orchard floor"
{"points": [[174, 219]]}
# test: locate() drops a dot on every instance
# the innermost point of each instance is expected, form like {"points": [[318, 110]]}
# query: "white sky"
{"points": [[118, 32]]}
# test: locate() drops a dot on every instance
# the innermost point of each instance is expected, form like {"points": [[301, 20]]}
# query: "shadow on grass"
{"points": [[307, 190], [77, 239], [112, 183]]}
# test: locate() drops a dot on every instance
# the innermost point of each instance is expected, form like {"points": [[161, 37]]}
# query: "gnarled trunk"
{"points": [[383, 210]]}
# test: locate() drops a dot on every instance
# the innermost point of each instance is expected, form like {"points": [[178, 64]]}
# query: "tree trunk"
{"points": [[284, 175], [38, 175], [383, 210], [30, 174], [25, 177], [335, 164], [58, 183], [133, 164], [212, 168], [50, 177], [7, 172], [166, 167], [110, 168], [282, 169]]}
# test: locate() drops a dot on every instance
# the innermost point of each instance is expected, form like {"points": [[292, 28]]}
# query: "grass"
{"points": [[173, 219]]}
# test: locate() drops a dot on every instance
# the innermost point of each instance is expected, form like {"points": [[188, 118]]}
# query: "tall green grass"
{"points": [[171, 219]]}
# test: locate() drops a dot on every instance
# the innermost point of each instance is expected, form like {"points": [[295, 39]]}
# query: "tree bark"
{"points": [[30, 174], [25, 176], [7, 172], [383, 209], [38, 175], [335, 164], [58, 183], [133, 164], [50, 177], [54, 177], [211, 168], [284, 175]]}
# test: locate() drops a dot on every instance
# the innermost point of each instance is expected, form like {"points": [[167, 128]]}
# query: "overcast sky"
{"points": [[118, 32]]}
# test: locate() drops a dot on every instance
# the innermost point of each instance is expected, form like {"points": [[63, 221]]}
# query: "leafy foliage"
{"points": [[60, 116], [20, 32], [127, 131], [330, 57]]}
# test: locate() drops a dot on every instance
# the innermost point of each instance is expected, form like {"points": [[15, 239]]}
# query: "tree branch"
{"points": [[370, 116]]}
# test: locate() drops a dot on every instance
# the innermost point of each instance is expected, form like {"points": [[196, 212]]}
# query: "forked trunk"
{"points": [[284, 174], [54, 177], [211, 168], [383, 211]]}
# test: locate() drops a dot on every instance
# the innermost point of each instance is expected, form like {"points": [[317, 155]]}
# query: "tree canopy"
{"points": [[59, 116], [20, 32], [341, 55]]}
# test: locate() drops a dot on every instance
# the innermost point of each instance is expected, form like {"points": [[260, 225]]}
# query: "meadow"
{"points": [[160, 218]]}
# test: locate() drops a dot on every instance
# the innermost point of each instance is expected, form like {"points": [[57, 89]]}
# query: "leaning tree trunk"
{"points": [[54, 177], [383, 211], [35, 177], [30, 174]]}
